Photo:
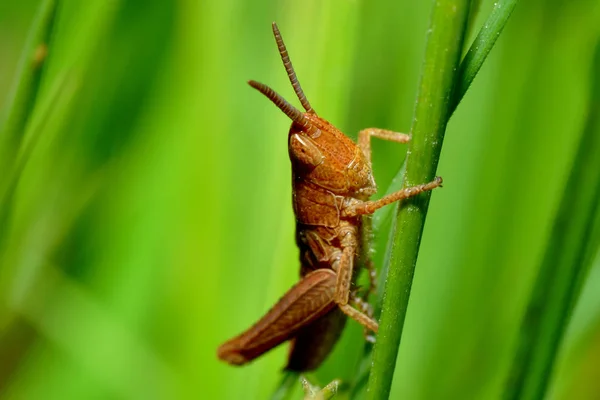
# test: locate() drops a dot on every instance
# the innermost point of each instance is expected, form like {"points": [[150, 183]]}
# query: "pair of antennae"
{"points": [[292, 112]]}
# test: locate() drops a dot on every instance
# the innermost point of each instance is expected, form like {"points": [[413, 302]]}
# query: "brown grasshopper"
{"points": [[331, 184]]}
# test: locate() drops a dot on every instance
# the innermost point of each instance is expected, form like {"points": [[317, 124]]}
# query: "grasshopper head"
{"points": [[329, 159], [319, 152]]}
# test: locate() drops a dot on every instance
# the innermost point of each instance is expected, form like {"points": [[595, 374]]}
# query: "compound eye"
{"points": [[304, 149]]}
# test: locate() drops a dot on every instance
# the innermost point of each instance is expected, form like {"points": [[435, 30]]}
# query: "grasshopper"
{"points": [[332, 181]]}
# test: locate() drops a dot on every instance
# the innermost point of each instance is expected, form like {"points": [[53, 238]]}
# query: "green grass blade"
{"points": [[25, 88], [481, 47], [442, 54], [288, 382], [564, 264], [473, 13], [13, 152]]}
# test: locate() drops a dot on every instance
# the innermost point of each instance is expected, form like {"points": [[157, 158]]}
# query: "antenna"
{"points": [[292, 112], [289, 68]]}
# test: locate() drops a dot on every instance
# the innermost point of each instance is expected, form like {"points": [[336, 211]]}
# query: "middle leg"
{"points": [[342, 290], [366, 308]]}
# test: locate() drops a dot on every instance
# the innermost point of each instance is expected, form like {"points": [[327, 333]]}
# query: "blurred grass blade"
{"points": [[442, 55], [51, 109], [383, 216], [481, 47], [385, 220], [593, 245], [22, 99], [286, 386], [25, 89], [473, 12], [564, 264], [58, 301]]}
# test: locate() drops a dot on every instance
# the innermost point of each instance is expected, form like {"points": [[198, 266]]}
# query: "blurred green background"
{"points": [[151, 220]]}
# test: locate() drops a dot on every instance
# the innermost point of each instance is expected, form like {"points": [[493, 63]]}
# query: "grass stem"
{"points": [[442, 56]]}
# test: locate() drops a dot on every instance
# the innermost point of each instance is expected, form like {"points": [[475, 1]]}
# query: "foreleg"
{"points": [[364, 138]]}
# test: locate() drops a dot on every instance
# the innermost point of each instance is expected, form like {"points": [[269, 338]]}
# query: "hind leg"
{"points": [[366, 308], [344, 271]]}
